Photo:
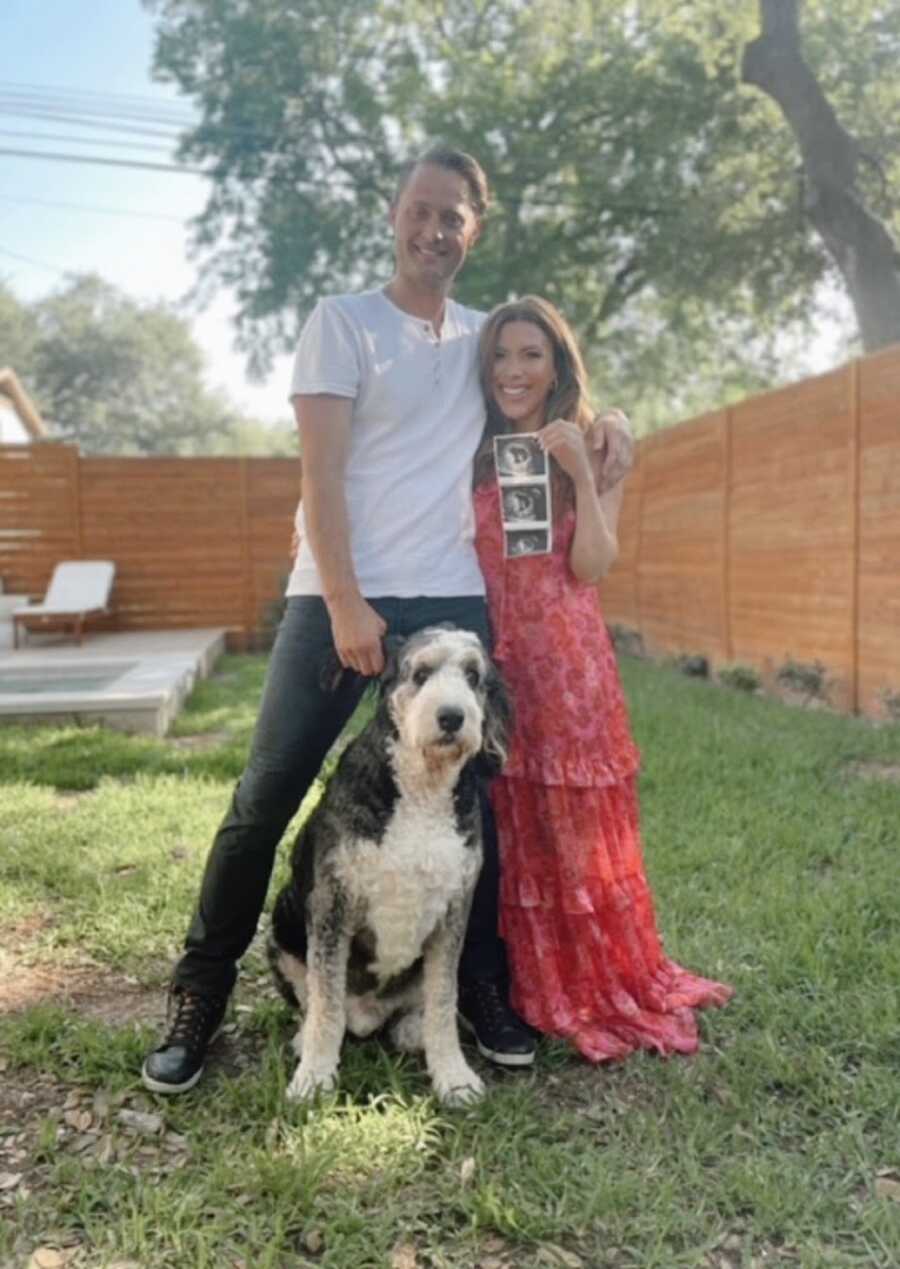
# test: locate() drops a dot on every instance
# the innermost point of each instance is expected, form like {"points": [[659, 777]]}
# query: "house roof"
{"points": [[24, 407]]}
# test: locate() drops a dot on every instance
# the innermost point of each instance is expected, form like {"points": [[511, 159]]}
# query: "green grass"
{"points": [[774, 867]]}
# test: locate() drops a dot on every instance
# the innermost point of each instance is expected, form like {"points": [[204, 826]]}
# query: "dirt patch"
{"points": [[29, 976], [93, 992], [875, 771]]}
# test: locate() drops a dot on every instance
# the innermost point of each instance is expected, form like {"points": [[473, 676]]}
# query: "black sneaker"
{"points": [[177, 1064], [500, 1034]]}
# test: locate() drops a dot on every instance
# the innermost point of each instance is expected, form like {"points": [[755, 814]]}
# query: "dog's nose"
{"points": [[450, 719]]}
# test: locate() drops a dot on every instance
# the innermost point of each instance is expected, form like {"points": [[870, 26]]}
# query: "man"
{"points": [[390, 413]]}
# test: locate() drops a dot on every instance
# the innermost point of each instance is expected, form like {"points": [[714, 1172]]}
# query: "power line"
{"points": [[55, 136], [104, 162], [88, 207], [130, 102], [79, 121], [40, 264], [124, 117], [562, 201], [40, 99]]}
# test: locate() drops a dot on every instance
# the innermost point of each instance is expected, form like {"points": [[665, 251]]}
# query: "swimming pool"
{"points": [[39, 682], [140, 689]]}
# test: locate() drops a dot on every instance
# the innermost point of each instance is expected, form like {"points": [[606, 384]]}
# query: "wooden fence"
{"points": [[196, 541], [770, 532], [767, 531]]}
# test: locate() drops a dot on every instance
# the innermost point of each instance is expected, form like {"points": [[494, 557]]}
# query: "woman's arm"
{"points": [[595, 544]]}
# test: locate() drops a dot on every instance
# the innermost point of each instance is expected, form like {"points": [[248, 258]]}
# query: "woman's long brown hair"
{"points": [[568, 399]]}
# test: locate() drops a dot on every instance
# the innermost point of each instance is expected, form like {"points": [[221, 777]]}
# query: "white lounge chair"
{"points": [[78, 589]]}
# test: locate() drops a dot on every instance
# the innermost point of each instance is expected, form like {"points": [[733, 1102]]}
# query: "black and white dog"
{"points": [[370, 927]]}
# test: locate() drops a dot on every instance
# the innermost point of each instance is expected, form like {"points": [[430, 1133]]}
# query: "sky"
{"points": [[129, 226]]}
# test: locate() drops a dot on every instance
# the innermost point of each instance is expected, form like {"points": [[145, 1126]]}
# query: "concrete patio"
{"points": [[133, 681]]}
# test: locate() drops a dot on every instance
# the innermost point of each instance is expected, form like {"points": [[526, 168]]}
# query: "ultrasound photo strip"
{"points": [[523, 478]]}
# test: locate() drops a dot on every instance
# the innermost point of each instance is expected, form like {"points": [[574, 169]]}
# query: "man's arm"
{"points": [[324, 425]]}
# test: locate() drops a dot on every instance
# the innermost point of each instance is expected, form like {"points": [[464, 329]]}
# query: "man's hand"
{"points": [[612, 441], [569, 446], [357, 631]]}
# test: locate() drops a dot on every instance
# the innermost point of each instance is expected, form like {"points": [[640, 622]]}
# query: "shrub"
{"points": [[743, 678], [890, 699], [694, 665], [808, 677], [627, 642]]}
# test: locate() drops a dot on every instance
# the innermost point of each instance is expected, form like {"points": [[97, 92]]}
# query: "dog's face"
{"points": [[446, 699]]}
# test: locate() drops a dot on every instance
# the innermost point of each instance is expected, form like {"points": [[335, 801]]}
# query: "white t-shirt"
{"points": [[417, 418]]}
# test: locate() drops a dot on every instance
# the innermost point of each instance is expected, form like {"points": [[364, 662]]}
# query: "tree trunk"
{"points": [[859, 243]]}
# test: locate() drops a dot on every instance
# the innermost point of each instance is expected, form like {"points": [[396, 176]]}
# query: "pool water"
{"points": [[31, 682]]}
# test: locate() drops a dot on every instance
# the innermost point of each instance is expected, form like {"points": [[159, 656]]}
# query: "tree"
{"points": [[18, 334], [248, 437], [858, 241], [122, 377], [638, 182]]}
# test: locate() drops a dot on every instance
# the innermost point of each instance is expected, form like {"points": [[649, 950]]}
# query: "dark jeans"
{"points": [[298, 722]]}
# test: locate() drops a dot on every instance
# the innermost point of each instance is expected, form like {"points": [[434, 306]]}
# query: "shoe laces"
{"points": [[195, 1018], [491, 1001]]}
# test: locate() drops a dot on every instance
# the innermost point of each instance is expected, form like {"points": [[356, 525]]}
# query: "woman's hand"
{"points": [[566, 442], [612, 441]]}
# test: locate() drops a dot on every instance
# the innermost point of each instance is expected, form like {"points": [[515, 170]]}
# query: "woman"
{"points": [[575, 908]]}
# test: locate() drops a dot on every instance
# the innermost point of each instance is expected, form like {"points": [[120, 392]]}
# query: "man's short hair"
{"points": [[453, 160]]}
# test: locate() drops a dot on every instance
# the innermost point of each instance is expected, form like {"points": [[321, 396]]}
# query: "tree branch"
{"points": [[859, 243]]}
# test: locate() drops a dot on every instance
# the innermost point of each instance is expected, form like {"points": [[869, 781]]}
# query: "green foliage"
{"points": [[743, 678], [891, 702], [18, 334], [637, 183], [804, 676], [120, 376], [627, 641]]}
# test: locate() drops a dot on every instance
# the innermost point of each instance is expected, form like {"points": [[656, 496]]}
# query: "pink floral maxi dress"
{"points": [[576, 911]]}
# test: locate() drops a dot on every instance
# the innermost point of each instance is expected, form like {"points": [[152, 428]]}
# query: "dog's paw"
{"points": [[458, 1086], [407, 1032], [308, 1082]]}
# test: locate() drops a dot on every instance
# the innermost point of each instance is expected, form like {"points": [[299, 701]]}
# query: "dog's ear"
{"points": [[392, 645], [498, 722]]}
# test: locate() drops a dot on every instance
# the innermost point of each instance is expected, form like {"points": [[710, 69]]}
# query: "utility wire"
{"points": [[121, 102], [40, 264], [103, 162], [55, 136], [107, 119], [89, 207], [561, 202], [79, 121]]}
